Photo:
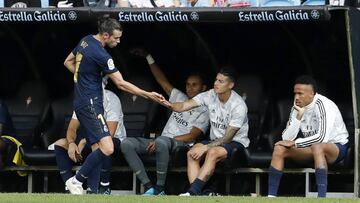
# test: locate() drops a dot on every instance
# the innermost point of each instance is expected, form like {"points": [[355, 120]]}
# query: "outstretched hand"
{"points": [[139, 52], [159, 99], [156, 97], [166, 103]]}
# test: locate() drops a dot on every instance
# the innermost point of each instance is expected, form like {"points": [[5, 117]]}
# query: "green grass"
{"points": [[64, 198]]}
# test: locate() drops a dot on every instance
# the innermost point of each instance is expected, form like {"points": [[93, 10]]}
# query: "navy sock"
{"points": [[64, 163], [321, 181], [105, 170], [94, 179], [274, 181], [196, 187], [93, 160]]}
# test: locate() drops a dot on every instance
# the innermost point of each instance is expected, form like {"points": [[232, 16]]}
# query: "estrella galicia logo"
{"points": [[72, 15], [194, 16], [315, 14]]}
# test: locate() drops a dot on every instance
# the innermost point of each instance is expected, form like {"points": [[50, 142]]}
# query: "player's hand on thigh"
{"points": [[197, 152], [151, 147]]}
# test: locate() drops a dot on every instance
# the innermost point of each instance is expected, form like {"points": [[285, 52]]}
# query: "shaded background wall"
{"points": [[276, 52]]}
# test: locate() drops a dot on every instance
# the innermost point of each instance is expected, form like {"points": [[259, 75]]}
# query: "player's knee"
{"points": [[188, 154], [212, 154], [317, 149], [160, 144], [108, 149], [279, 151], [126, 145]]}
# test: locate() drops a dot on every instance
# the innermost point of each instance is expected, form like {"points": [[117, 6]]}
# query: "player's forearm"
{"points": [[178, 106], [128, 87], [70, 66], [183, 106], [228, 137], [70, 136], [290, 132], [69, 62], [313, 137], [308, 141], [292, 128]]}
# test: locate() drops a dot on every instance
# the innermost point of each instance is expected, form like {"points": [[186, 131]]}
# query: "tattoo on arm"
{"points": [[229, 135]]}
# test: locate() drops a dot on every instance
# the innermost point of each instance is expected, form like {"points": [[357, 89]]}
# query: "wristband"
{"points": [[150, 59]]}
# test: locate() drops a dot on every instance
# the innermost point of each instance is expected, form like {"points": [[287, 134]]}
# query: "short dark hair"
{"points": [[198, 74], [306, 80], [229, 72], [107, 24]]}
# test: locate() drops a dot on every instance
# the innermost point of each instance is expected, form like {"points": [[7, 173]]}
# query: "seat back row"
{"points": [[39, 123]]}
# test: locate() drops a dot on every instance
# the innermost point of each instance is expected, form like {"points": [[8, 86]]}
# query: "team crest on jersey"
{"points": [[110, 64], [83, 44]]}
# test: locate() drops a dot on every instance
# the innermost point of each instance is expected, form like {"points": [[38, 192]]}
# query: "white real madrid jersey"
{"points": [[182, 123], [321, 123], [222, 115]]}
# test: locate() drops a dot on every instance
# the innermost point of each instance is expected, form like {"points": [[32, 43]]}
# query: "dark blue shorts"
{"points": [[229, 147], [92, 121], [342, 152]]}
